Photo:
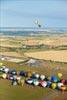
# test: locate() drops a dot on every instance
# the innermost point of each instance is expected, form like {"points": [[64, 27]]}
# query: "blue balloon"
{"points": [[13, 72], [54, 79], [22, 73], [49, 83]]}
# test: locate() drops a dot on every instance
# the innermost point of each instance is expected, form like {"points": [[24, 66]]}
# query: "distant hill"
{"points": [[32, 31]]}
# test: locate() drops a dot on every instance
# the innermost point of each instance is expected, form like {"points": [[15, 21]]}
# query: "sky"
{"points": [[24, 13]]}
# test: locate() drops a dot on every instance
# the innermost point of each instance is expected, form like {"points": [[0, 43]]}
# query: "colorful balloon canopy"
{"points": [[43, 83], [53, 85], [33, 78], [35, 82], [54, 79], [1, 64], [59, 75]]}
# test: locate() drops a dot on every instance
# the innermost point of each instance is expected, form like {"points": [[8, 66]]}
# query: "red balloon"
{"points": [[63, 81]]}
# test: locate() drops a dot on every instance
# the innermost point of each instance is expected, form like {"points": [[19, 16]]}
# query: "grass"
{"points": [[9, 92]]}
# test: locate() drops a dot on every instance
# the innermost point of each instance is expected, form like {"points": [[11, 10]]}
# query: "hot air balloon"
{"points": [[49, 83], [59, 85], [22, 82], [37, 22], [63, 88], [54, 79], [4, 76], [29, 81], [35, 82], [63, 81], [59, 75], [53, 85], [1, 64], [43, 83], [66, 82], [42, 77]]}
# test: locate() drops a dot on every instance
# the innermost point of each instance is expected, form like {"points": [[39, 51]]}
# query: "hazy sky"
{"points": [[23, 13]]}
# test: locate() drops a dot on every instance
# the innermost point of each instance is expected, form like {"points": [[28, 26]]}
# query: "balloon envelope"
{"points": [[23, 73], [48, 83], [42, 77], [66, 82], [37, 22], [4, 76], [1, 64], [63, 81], [54, 79], [59, 75], [43, 83], [35, 75], [59, 85], [29, 81], [6, 70], [63, 88], [53, 85], [35, 82]]}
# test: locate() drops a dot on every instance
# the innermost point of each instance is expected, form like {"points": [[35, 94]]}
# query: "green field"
{"points": [[27, 92]]}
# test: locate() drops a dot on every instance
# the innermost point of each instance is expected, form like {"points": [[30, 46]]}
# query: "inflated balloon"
{"points": [[63, 81], [13, 72], [35, 75], [59, 75], [10, 77], [43, 83], [22, 82], [37, 22], [49, 83], [4, 76], [29, 74], [6, 70], [53, 85], [29, 81], [54, 79], [35, 82], [1, 64], [66, 82], [63, 88], [23, 73], [49, 78], [18, 78], [42, 77], [14, 77], [59, 85]]}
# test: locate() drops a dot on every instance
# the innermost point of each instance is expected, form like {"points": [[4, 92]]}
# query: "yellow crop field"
{"points": [[60, 55]]}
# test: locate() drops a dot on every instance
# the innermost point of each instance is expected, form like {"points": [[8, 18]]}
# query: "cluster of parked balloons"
{"points": [[35, 79]]}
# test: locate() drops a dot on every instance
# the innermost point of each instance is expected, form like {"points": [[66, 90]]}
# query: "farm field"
{"points": [[60, 55], [19, 41], [50, 55]]}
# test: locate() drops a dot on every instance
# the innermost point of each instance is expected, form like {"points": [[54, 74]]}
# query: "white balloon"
{"points": [[59, 85]]}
